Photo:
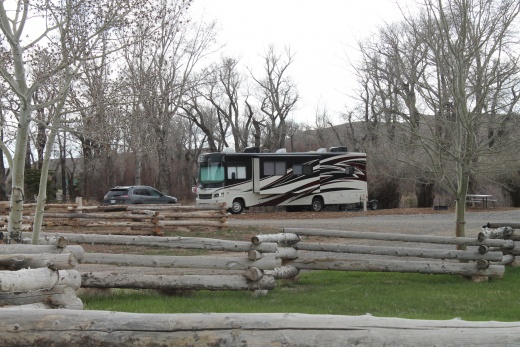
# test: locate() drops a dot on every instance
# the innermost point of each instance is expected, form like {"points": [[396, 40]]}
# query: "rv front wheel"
{"points": [[317, 205], [237, 207]]}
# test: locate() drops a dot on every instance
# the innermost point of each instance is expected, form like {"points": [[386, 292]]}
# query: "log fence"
{"points": [[52, 281], [120, 219], [502, 231], [238, 265], [484, 258], [40, 276]]}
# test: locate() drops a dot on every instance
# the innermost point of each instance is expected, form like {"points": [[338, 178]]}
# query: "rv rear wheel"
{"points": [[317, 205], [237, 206]]}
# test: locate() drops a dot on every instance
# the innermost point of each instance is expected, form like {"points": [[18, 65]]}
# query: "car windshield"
{"points": [[211, 172], [117, 192]]}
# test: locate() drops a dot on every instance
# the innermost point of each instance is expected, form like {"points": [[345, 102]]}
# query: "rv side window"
{"points": [[237, 172], [274, 168], [299, 169]]}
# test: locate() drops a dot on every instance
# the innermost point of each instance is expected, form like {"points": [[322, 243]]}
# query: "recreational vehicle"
{"points": [[297, 181]]}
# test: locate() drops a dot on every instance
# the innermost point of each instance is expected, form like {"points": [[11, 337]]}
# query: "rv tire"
{"points": [[237, 207], [317, 205]]}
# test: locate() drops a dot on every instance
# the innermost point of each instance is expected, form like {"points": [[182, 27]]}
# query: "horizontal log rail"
{"points": [[400, 251], [386, 265], [37, 279], [170, 241], [169, 282], [15, 262], [188, 262], [78, 251], [105, 328], [459, 241]]}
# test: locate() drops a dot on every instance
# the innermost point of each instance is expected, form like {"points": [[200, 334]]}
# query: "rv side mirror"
{"points": [[349, 170]]}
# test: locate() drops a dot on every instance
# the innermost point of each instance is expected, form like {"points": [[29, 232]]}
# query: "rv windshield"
{"points": [[211, 172]]}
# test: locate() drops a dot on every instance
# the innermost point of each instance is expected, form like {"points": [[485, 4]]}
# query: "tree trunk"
{"points": [[17, 186], [460, 208], [424, 194]]}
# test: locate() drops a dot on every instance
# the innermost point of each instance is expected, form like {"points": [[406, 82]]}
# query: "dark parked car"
{"points": [[137, 195]]}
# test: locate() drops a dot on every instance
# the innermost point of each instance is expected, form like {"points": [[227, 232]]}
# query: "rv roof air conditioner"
{"points": [[228, 150], [281, 150], [338, 149], [322, 150], [252, 150]]}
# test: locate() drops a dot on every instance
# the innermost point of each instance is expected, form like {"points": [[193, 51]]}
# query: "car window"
{"points": [[141, 192], [154, 192], [117, 192]]}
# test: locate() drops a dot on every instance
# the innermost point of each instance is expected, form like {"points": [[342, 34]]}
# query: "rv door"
{"points": [[256, 175]]}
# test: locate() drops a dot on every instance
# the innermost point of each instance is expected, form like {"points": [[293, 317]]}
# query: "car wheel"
{"points": [[237, 206], [374, 205], [317, 205]]}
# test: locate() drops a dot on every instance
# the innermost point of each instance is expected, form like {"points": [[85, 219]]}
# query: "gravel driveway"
{"points": [[429, 224]]}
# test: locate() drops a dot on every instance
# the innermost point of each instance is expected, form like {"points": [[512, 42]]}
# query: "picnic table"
{"points": [[480, 199]]}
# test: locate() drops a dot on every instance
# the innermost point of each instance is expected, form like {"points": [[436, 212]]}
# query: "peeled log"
{"points": [[184, 282], [278, 238], [78, 251], [172, 242], [58, 296], [400, 251], [446, 240], [254, 255], [286, 253], [508, 259], [380, 265], [498, 233], [37, 279], [254, 274], [104, 328], [283, 272], [196, 222], [198, 262], [24, 261], [504, 224]]}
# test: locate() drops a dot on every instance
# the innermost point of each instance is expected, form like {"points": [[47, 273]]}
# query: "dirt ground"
{"points": [[279, 215]]}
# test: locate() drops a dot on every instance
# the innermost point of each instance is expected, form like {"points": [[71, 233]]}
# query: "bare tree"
{"points": [[70, 35], [223, 90], [277, 94], [449, 77]]}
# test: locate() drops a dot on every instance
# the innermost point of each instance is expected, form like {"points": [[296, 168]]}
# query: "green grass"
{"points": [[414, 296]]}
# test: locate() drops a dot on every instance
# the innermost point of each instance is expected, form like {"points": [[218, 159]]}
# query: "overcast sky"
{"points": [[321, 33]]}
